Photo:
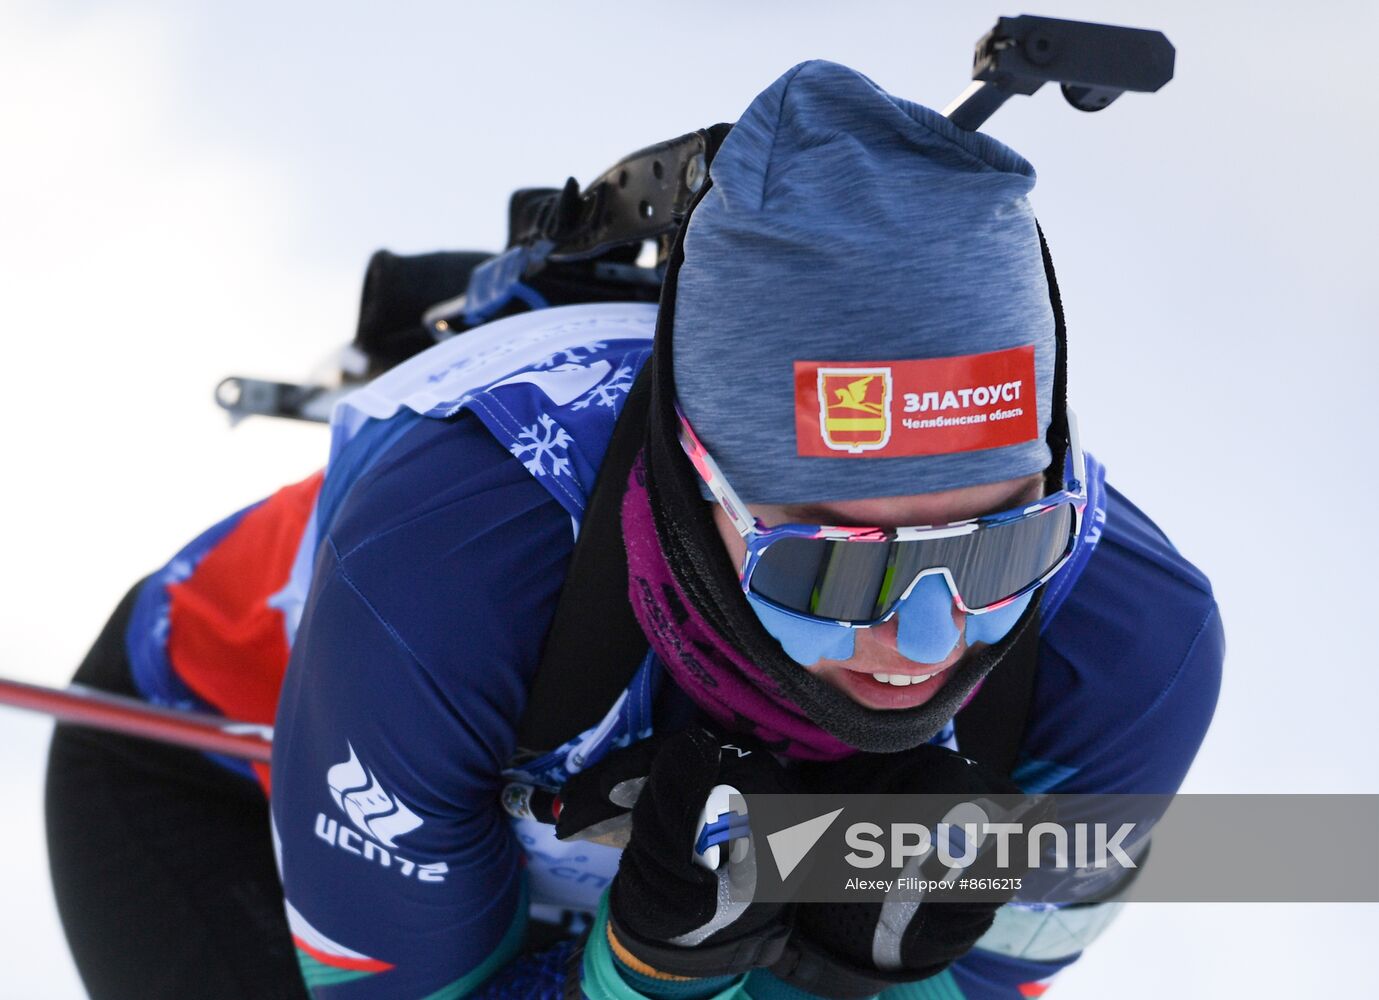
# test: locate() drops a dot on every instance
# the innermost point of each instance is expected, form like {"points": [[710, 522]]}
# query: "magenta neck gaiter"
{"points": [[720, 680]]}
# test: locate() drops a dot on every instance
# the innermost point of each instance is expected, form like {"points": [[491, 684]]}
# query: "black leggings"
{"points": [[162, 861]]}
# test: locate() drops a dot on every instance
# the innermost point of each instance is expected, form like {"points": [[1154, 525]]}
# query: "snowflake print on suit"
{"points": [[607, 393], [545, 439]]}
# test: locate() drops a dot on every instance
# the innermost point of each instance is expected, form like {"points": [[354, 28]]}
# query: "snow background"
{"points": [[189, 191]]}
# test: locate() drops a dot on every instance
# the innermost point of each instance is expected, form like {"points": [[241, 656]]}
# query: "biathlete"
{"points": [[859, 345]]}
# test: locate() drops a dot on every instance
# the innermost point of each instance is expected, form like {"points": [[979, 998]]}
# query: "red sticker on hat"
{"points": [[888, 409]]}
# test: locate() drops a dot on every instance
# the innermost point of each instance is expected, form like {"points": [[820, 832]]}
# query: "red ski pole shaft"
{"points": [[85, 706]]}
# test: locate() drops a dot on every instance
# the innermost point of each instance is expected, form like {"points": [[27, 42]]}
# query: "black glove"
{"points": [[667, 910], [858, 949]]}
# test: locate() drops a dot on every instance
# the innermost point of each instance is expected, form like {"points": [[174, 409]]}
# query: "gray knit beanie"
{"points": [[862, 310]]}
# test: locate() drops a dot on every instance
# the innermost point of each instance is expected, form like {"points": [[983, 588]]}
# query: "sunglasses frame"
{"points": [[759, 537]]}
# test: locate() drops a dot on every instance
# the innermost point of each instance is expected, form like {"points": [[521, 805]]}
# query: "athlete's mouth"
{"points": [[905, 680]]}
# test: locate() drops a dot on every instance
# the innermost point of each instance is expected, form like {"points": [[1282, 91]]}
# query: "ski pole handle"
{"points": [[522, 801], [717, 824], [720, 825]]}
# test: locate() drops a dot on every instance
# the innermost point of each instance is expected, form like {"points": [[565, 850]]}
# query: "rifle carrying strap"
{"points": [[594, 645], [991, 727]]}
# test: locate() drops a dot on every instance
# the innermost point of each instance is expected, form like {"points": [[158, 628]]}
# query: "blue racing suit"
{"points": [[410, 603]]}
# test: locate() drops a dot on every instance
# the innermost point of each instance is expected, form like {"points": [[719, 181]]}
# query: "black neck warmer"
{"points": [[696, 554]]}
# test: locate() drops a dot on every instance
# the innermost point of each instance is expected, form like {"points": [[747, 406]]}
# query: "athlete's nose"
{"points": [[885, 635]]}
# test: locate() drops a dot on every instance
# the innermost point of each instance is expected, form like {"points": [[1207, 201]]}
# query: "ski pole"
{"points": [[84, 706]]}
